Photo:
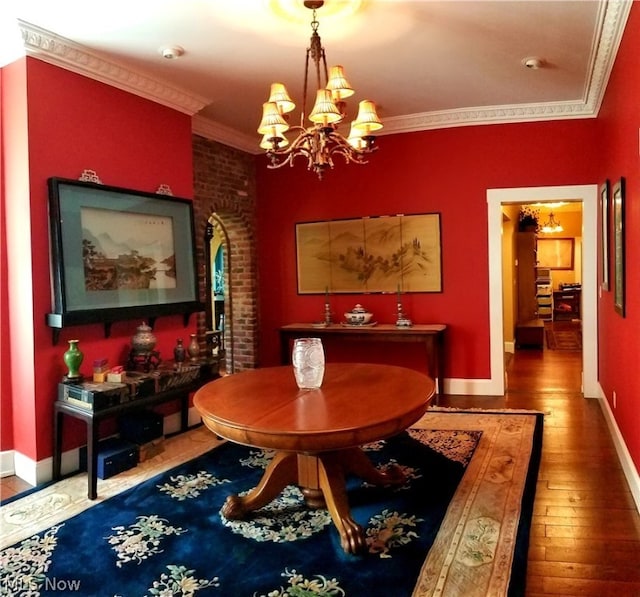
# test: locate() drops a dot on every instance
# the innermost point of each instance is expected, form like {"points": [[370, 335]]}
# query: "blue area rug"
{"points": [[167, 537]]}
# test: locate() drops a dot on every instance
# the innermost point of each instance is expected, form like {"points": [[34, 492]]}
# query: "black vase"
{"points": [[179, 352]]}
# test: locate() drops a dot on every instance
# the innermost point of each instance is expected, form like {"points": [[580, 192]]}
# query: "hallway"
{"points": [[585, 536]]}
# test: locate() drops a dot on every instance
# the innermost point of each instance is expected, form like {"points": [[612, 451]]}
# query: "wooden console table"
{"points": [[431, 335], [92, 419]]}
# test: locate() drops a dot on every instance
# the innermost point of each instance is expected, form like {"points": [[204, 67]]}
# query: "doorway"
{"points": [[496, 198], [219, 300]]}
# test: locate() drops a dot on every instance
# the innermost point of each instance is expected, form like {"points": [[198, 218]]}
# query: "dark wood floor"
{"points": [[585, 536]]}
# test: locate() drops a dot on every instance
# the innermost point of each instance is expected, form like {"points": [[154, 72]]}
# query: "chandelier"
{"points": [[320, 141], [551, 225]]}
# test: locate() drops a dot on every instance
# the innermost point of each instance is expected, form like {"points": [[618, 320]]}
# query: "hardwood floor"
{"points": [[10, 486], [585, 537]]}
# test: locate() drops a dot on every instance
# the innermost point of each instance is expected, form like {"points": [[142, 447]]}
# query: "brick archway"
{"points": [[224, 184]]}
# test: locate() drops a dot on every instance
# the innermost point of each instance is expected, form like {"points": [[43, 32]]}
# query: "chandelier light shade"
{"points": [[338, 84], [355, 138], [325, 110], [280, 97], [551, 225], [322, 140], [367, 120], [272, 122]]}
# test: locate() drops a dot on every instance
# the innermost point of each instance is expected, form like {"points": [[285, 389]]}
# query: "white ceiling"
{"points": [[427, 64]]}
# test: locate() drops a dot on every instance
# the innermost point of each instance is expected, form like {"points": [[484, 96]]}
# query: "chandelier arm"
{"points": [[351, 154]]}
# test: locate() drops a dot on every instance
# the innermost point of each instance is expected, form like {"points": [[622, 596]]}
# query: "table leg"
{"points": [[332, 483], [435, 359], [92, 458], [325, 471], [184, 413], [333, 468], [57, 445], [280, 472], [285, 350]]}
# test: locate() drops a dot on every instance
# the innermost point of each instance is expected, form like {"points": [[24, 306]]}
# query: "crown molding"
{"points": [[611, 23], [66, 54], [209, 129], [614, 15]]}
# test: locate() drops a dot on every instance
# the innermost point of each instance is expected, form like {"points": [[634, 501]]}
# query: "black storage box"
{"points": [[115, 455], [140, 427]]}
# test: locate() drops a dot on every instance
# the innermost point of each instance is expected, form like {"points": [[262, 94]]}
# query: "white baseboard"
{"points": [[473, 387], [34, 473], [628, 466]]}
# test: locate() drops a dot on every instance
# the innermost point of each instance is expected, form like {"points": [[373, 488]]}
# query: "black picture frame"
{"points": [[119, 254], [604, 223], [618, 207]]}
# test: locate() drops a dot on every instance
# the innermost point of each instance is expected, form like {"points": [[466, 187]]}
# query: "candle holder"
{"points": [[327, 314], [402, 321]]}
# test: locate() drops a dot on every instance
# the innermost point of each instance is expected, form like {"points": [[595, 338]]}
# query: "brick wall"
{"points": [[224, 184]]}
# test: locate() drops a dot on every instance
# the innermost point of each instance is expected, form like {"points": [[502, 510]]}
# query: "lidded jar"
{"points": [[358, 315], [143, 340]]}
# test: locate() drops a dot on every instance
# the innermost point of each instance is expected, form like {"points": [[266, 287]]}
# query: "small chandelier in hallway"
{"points": [[551, 225], [319, 142]]}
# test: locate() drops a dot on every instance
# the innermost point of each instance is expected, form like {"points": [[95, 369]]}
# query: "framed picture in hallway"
{"points": [[618, 246], [604, 223], [555, 253]]}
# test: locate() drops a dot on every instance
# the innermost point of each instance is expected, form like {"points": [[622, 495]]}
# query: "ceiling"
{"points": [[426, 64]]}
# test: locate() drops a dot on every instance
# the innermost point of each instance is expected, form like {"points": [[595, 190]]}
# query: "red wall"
{"points": [[619, 137], [446, 171], [76, 123], [449, 171]]}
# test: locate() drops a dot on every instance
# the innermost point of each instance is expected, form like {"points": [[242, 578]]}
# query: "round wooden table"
{"points": [[316, 433]]}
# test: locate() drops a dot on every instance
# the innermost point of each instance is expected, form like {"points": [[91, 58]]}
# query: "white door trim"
{"points": [[588, 194]]}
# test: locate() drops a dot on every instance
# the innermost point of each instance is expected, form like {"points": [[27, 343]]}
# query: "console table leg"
{"points": [[57, 446], [92, 459], [184, 413], [435, 359]]}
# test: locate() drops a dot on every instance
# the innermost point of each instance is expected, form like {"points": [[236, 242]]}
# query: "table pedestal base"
{"points": [[321, 477]]}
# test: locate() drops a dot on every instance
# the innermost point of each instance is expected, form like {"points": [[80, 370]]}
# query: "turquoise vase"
{"points": [[73, 359]]}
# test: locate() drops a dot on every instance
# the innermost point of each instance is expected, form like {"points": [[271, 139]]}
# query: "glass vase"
{"points": [[308, 363]]}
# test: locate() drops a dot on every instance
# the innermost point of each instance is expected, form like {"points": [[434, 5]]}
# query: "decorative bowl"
{"points": [[358, 316]]}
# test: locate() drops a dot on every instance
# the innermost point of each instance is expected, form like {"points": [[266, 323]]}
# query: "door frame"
{"points": [[588, 194]]}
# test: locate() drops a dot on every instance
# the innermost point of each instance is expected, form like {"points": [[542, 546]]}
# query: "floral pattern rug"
{"points": [[458, 526]]}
